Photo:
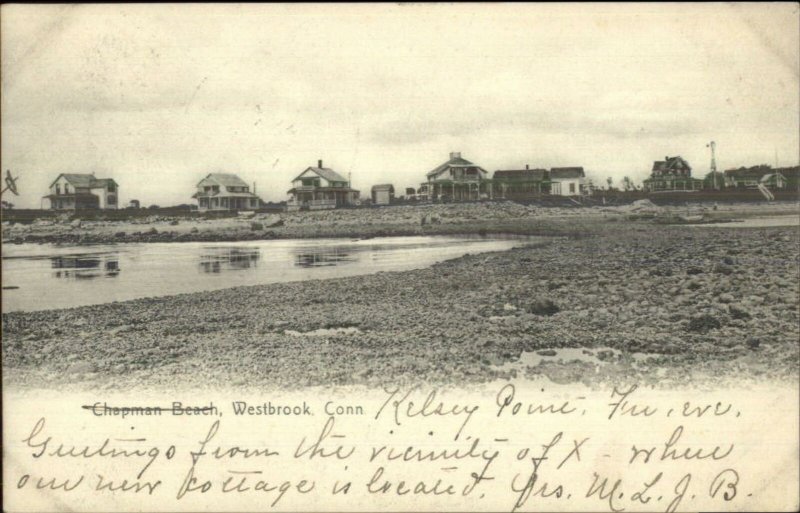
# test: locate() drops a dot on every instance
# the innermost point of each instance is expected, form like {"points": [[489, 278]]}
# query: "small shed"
{"points": [[382, 194]]}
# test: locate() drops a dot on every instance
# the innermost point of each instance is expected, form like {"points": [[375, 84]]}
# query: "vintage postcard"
{"points": [[401, 257]]}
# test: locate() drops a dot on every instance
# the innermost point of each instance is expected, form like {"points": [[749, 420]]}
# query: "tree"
{"points": [[627, 183], [610, 182]]}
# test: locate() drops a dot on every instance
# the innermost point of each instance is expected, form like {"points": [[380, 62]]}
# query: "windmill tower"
{"points": [[713, 147]]}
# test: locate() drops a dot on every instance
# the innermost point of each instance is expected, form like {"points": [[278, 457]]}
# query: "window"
{"points": [[112, 199], [66, 188], [112, 187], [572, 188], [58, 188]]}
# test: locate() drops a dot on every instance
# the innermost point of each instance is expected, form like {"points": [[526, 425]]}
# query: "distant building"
{"points": [[672, 174], [458, 179], [567, 181], [72, 191], [520, 183], [744, 177], [225, 191], [319, 188], [134, 203], [382, 194]]}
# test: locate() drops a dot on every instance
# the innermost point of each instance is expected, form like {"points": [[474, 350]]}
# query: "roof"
{"points": [[329, 189], [671, 164], [225, 179], [224, 194], [84, 180], [453, 162], [383, 186], [564, 173], [767, 177], [326, 173], [521, 174]]}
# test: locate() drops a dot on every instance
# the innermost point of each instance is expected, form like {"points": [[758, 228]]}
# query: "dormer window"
{"points": [[58, 188]]}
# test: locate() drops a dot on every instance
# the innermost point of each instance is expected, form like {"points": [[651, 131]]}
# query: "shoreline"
{"points": [[396, 221], [698, 304]]}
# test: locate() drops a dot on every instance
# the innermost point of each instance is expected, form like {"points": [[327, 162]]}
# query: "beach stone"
{"points": [[542, 306], [703, 323], [256, 226]]}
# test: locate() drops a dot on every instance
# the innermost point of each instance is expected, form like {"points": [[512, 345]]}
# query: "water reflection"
{"points": [[217, 260], [86, 267], [322, 257]]}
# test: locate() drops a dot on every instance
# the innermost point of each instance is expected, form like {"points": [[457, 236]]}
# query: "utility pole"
{"points": [[713, 146]]}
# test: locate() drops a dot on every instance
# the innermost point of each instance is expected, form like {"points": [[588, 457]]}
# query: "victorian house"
{"points": [[672, 174], [458, 179]]}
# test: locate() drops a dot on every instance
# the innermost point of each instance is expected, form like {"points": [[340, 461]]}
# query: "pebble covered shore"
{"points": [[630, 301]]}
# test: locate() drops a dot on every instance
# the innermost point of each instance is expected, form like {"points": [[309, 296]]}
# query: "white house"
{"points": [[319, 188], [225, 191], [382, 194], [71, 191], [567, 181]]}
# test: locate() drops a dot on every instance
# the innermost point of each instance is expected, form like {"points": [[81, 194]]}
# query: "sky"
{"points": [[158, 96]]}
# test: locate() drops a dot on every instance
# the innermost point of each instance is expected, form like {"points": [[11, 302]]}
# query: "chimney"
{"points": [[527, 167], [319, 163], [455, 155], [254, 187]]}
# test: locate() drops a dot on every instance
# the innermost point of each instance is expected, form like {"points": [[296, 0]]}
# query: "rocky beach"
{"points": [[614, 296]]}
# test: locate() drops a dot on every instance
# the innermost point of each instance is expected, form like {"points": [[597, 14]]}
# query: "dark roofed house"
{"points": [[670, 175], [521, 183], [74, 191], [319, 188], [456, 179], [225, 191]]}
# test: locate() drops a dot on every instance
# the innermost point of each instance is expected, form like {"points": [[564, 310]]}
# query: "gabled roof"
{"points": [[225, 179], [84, 180], [671, 164], [767, 177], [453, 162], [521, 174], [325, 172], [564, 173]]}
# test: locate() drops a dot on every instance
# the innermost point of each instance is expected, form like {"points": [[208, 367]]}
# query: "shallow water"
{"points": [[756, 222], [62, 276]]}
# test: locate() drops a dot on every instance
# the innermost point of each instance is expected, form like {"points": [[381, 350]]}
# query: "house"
{"points": [[458, 179], [520, 183], [748, 177], [382, 194], [134, 203], [672, 174], [74, 191], [567, 181], [225, 191], [319, 188]]}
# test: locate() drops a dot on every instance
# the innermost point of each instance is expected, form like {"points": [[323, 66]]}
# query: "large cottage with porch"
{"points": [[521, 183], [319, 188], [458, 179], [75, 191], [225, 191]]}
